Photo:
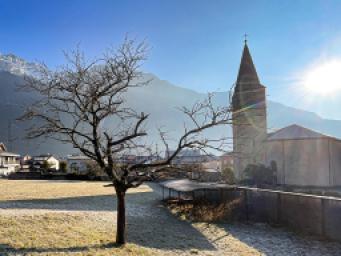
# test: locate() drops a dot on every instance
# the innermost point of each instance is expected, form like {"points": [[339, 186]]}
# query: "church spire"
{"points": [[247, 72]]}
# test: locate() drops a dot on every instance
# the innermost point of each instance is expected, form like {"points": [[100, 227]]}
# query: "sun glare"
{"points": [[323, 79]]}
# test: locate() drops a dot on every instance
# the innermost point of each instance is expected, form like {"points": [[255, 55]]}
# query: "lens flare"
{"points": [[323, 79]]}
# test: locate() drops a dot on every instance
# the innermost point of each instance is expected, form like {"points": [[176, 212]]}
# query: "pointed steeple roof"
{"points": [[247, 71], [248, 90]]}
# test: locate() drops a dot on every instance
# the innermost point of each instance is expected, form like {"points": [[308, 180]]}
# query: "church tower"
{"points": [[249, 116]]}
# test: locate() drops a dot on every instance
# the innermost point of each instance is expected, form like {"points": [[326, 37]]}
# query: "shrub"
{"points": [[45, 165], [205, 211], [259, 175], [228, 175], [63, 166], [94, 170]]}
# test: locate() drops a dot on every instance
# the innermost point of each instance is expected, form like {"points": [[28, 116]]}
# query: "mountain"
{"points": [[280, 115], [16, 65], [12, 103], [160, 98]]}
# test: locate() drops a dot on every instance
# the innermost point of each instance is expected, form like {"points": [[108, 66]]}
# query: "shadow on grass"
{"points": [[6, 249], [80, 203], [149, 223]]}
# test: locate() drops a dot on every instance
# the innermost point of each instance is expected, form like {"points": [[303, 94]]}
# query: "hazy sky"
{"points": [[195, 44]]}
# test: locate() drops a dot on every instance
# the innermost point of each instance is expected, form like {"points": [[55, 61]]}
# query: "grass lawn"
{"points": [[79, 218], [44, 189], [37, 232], [59, 234]]}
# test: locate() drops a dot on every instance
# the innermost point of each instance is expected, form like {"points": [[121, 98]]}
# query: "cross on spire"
{"points": [[245, 38], [247, 71]]}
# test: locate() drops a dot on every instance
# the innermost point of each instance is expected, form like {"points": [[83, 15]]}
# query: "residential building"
{"points": [[226, 160], [25, 163], [78, 164], [9, 162], [38, 162], [212, 164], [188, 157]]}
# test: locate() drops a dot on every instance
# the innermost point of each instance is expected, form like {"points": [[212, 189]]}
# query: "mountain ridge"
{"points": [[160, 98], [16, 65]]}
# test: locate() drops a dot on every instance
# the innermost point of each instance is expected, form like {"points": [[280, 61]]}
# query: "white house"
{"points": [[38, 161], [25, 162], [8, 161], [212, 164]]}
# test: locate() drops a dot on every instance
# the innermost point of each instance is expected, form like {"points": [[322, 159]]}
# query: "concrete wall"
{"points": [[275, 153], [314, 215], [306, 162], [335, 156], [308, 214]]}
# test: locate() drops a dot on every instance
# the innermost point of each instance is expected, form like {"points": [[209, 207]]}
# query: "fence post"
{"points": [[279, 206], [323, 219], [163, 193], [246, 205]]}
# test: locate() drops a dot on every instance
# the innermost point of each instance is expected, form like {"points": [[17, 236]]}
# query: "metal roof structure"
{"points": [[185, 185]]}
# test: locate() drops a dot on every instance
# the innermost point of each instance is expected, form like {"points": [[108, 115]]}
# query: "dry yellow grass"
{"points": [[41, 218], [43, 189], [59, 234]]}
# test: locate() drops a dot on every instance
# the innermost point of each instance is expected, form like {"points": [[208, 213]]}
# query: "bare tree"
{"points": [[77, 101]]}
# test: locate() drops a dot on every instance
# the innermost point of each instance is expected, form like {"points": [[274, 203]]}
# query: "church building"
{"points": [[300, 156], [249, 116]]}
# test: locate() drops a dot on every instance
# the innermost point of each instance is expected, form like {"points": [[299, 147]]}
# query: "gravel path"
{"points": [[152, 226]]}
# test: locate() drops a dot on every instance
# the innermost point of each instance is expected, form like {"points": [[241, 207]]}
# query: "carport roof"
{"points": [[297, 132]]}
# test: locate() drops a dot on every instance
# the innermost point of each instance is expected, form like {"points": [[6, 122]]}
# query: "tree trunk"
{"points": [[121, 218]]}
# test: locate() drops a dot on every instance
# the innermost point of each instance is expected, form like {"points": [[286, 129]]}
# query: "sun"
{"points": [[324, 78]]}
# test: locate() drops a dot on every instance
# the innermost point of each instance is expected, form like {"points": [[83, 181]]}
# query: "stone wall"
{"points": [[249, 135]]}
